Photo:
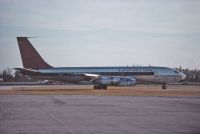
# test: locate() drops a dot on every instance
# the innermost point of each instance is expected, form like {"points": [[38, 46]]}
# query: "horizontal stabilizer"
{"points": [[28, 71]]}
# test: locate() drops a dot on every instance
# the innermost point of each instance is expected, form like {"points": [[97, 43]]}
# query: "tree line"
{"points": [[11, 75], [193, 75]]}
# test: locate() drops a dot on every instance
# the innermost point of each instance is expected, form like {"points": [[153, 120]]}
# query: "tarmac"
{"points": [[99, 113]]}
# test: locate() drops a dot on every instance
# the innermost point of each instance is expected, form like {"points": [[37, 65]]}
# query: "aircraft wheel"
{"points": [[164, 86], [105, 87], [99, 87], [95, 87]]}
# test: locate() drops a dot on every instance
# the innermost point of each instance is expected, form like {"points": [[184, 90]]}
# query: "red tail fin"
{"points": [[30, 57]]}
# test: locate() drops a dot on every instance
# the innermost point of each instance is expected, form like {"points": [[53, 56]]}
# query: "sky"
{"points": [[103, 32]]}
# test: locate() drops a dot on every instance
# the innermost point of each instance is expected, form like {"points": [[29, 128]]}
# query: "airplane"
{"points": [[101, 77]]}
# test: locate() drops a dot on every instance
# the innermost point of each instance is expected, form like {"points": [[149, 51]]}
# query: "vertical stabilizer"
{"points": [[30, 57]]}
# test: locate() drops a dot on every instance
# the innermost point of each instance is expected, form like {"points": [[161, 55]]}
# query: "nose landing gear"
{"points": [[164, 86]]}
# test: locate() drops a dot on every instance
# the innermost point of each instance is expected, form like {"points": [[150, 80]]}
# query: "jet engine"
{"points": [[127, 81], [115, 81]]}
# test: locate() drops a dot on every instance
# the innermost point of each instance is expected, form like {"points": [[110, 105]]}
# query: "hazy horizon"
{"points": [[103, 32]]}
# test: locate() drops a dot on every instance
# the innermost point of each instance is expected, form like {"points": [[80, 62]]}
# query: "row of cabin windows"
{"points": [[111, 73]]}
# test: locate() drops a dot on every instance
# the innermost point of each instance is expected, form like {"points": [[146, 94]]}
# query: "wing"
{"points": [[90, 77]]}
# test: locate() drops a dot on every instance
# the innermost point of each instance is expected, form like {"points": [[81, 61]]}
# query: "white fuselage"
{"points": [[142, 74]]}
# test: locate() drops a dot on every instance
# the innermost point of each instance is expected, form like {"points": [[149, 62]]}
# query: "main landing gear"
{"points": [[104, 87], [164, 86]]}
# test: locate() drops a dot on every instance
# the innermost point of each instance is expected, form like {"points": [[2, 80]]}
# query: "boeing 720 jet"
{"points": [[101, 77]]}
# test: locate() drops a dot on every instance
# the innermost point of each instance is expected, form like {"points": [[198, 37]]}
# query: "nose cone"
{"points": [[183, 76]]}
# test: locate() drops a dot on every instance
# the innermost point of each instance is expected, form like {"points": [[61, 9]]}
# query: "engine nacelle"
{"points": [[127, 81], [109, 80], [116, 81]]}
